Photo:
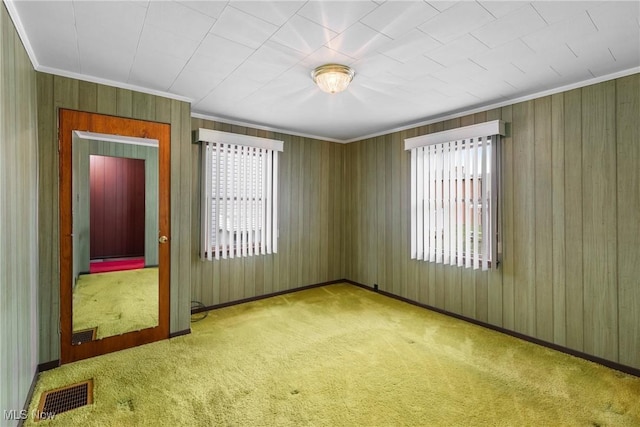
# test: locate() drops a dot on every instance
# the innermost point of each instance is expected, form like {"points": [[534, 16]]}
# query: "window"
{"points": [[239, 195], [454, 196]]}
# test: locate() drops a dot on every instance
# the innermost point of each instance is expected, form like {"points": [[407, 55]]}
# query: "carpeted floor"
{"points": [[116, 302], [340, 355]]}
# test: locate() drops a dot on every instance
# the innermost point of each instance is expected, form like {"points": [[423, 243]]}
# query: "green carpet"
{"points": [[340, 355], [116, 302]]}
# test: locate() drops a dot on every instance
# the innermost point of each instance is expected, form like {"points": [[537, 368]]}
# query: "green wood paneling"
{"points": [[481, 278], [573, 221], [181, 215], [628, 220], [19, 230], [48, 294], [599, 213], [558, 220], [569, 218], [309, 246], [82, 149], [524, 218], [508, 259], [60, 92], [570, 188], [80, 207], [106, 100], [87, 96], [494, 280], [543, 193]]}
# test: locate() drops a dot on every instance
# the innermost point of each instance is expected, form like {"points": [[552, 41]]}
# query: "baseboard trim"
{"points": [[47, 366], [180, 333], [604, 362], [608, 363], [259, 297]]}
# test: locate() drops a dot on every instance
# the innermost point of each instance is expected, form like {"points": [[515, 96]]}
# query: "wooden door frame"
{"points": [[69, 121]]}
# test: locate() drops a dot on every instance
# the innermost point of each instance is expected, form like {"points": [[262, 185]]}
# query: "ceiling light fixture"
{"points": [[332, 78]]}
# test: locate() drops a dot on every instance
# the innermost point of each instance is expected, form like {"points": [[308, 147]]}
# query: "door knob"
{"points": [[163, 239]]}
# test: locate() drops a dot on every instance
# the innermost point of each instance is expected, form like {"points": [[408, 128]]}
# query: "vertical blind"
{"points": [[454, 196], [239, 195]]}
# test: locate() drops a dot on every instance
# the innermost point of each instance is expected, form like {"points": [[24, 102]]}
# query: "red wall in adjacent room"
{"points": [[117, 207]]}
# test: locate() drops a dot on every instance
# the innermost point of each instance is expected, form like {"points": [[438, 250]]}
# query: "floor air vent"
{"points": [[64, 399], [83, 336]]}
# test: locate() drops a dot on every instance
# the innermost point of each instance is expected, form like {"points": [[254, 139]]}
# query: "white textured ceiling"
{"points": [[249, 61]]}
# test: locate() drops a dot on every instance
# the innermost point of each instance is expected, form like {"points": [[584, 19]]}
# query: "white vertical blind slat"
{"points": [[258, 201], [460, 203], [486, 208], [452, 207], [239, 201], [274, 185], [433, 160], [439, 216], [216, 214], [242, 194], [426, 195], [488, 236], [468, 224], [262, 159], [476, 199], [205, 212], [205, 250], [420, 203], [446, 162], [222, 226], [495, 211], [452, 203], [232, 202], [247, 198], [414, 205], [252, 203], [268, 200]]}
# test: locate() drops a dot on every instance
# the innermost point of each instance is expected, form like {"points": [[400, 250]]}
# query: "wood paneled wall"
{"points": [[82, 150], [627, 170], [59, 92], [117, 209], [151, 178], [310, 211], [571, 219], [18, 221]]}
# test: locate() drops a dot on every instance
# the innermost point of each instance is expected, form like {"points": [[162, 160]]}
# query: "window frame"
{"points": [[230, 147], [449, 148]]}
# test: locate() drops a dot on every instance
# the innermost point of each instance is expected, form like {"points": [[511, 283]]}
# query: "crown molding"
{"points": [[113, 83], [15, 17], [219, 119], [433, 119], [481, 108], [22, 33]]}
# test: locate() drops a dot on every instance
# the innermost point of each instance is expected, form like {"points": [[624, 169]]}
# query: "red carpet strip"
{"points": [[125, 264]]}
